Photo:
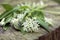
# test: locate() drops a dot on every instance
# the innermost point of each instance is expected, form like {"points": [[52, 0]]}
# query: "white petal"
{"points": [[41, 3]]}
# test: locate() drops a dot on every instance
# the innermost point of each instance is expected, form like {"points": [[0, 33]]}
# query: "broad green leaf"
{"points": [[7, 7], [22, 9], [44, 24], [37, 13]]}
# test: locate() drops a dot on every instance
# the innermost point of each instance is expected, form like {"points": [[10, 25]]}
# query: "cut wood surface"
{"points": [[54, 35]]}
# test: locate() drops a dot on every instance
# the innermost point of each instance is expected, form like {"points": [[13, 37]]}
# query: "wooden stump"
{"points": [[54, 35]]}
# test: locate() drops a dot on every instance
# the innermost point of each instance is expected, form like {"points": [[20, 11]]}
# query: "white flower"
{"points": [[22, 4], [30, 25], [20, 16], [41, 3], [15, 23], [34, 5], [2, 21], [49, 20], [14, 20]]}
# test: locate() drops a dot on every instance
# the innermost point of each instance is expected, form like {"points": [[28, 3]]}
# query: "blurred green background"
{"points": [[19, 1]]}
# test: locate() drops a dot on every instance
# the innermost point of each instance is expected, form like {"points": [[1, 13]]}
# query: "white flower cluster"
{"points": [[16, 21], [30, 25], [32, 5], [20, 16]]}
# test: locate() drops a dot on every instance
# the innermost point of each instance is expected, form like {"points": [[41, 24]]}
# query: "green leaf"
{"points": [[5, 14], [44, 24], [24, 7], [7, 7], [8, 19], [38, 13]]}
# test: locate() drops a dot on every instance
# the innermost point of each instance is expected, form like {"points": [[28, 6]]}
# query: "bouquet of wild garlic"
{"points": [[24, 17]]}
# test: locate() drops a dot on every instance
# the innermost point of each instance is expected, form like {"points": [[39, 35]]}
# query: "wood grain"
{"points": [[54, 35]]}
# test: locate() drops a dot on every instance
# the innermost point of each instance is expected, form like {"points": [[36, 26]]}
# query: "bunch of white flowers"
{"points": [[30, 25], [16, 21], [20, 16]]}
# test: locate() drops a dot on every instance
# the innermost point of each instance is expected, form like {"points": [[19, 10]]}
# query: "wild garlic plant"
{"points": [[30, 25], [26, 17]]}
